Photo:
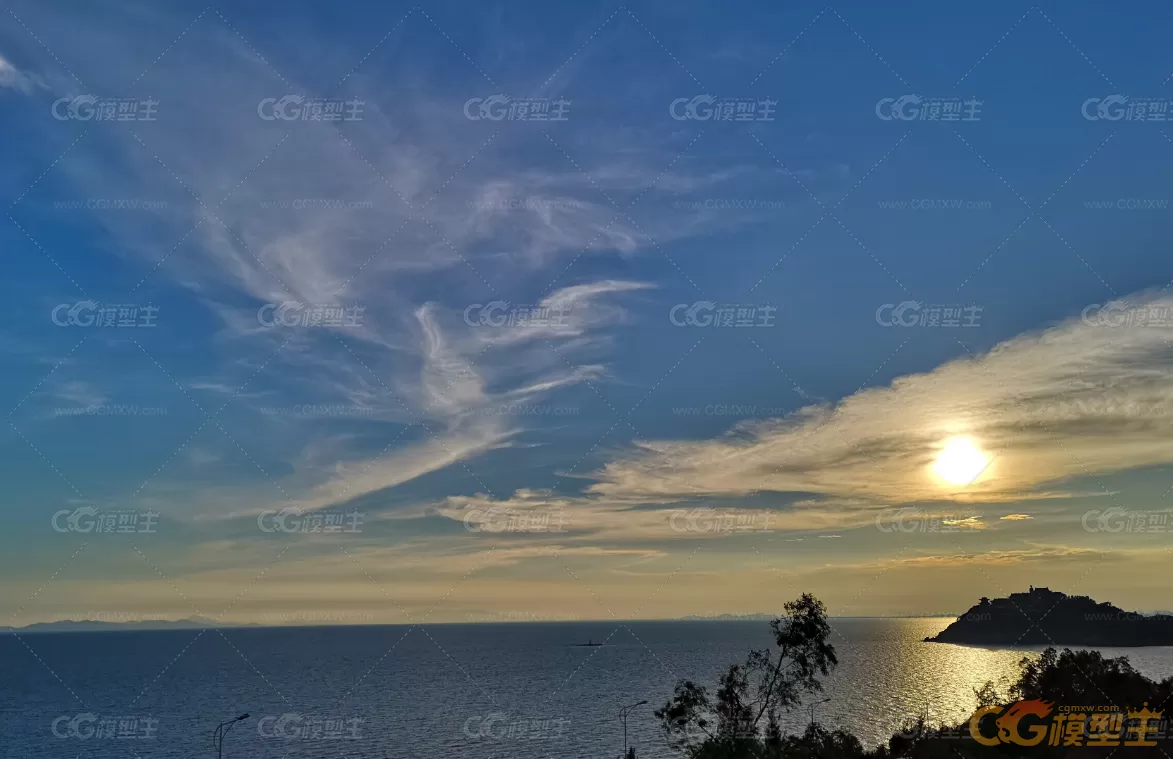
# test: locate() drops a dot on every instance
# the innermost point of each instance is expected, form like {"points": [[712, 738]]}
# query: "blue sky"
{"points": [[617, 460]]}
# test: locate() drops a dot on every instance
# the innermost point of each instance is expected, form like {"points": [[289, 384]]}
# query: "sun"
{"points": [[960, 462]]}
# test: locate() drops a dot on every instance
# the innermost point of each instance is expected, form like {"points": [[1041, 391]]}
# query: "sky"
{"points": [[472, 312]]}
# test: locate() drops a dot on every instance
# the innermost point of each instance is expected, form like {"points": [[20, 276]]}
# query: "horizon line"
{"points": [[169, 624]]}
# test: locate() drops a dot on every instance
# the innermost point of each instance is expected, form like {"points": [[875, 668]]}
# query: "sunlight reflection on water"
{"points": [[888, 673]]}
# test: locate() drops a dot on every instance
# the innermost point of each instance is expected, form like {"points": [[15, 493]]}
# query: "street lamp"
{"points": [[813, 705], [222, 731], [623, 716]]}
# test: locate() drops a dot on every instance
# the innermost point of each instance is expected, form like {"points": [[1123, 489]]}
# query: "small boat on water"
{"points": [[588, 644]]}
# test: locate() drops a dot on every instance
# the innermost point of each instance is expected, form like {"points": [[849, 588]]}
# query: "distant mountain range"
{"points": [[1065, 620], [1045, 617], [89, 625]]}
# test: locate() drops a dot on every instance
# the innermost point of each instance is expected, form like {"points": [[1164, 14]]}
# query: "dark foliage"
{"points": [[741, 720]]}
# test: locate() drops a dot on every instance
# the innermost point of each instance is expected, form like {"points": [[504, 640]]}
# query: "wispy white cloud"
{"points": [[79, 393], [229, 178], [14, 79], [460, 375], [1064, 402], [1047, 407]]}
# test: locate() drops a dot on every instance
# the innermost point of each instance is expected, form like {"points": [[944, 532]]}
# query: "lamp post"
{"points": [[623, 716], [813, 705], [222, 731]]}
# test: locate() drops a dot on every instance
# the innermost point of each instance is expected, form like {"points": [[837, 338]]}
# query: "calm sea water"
{"points": [[520, 690]]}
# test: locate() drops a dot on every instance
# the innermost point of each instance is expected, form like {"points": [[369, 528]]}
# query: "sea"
{"points": [[481, 691]]}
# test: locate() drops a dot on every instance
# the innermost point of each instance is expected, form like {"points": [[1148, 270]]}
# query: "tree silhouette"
{"points": [[741, 721], [752, 696]]}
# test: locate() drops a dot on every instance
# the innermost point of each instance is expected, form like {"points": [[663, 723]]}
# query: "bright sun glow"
{"points": [[960, 462]]}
